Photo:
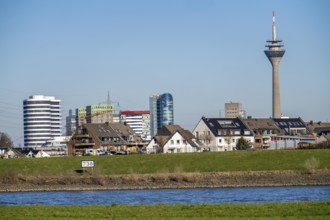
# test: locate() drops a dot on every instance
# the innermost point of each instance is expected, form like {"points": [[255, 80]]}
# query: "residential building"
{"points": [[107, 136], [42, 119], [319, 128], [234, 110], [222, 134], [291, 126], [161, 112], [139, 121], [70, 123], [263, 128], [173, 139]]}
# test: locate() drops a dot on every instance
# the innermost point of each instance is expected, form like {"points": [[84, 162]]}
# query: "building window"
{"points": [[220, 140], [172, 142], [177, 141]]}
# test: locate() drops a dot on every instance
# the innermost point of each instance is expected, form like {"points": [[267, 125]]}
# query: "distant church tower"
{"points": [[275, 54]]}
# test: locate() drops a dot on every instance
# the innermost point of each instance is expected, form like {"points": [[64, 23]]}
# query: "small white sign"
{"points": [[87, 163]]}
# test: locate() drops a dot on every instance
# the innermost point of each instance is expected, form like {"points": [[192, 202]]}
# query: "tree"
{"points": [[243, 144], [206, 138], [5, 140]]}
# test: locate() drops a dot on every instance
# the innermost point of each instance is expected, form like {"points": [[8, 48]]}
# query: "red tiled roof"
{"points": [[137, 112]]}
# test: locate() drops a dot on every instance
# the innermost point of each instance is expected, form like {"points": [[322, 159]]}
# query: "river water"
{"points": [[170, 196]]}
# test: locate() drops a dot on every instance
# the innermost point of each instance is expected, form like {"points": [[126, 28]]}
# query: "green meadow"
{"points": [[300, 210], [168, 163]]}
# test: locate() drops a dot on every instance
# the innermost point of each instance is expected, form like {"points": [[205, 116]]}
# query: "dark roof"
{"points": [[283, 123], [216, 124]]}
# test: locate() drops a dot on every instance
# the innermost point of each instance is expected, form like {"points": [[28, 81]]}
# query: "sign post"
{"points": [[88, 164]]}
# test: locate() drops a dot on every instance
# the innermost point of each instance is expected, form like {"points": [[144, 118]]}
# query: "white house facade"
{"points": [[175, 144], [222, 134], [173, 139]]}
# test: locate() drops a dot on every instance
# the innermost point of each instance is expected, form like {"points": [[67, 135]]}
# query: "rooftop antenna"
{"points": [[108, 100]]}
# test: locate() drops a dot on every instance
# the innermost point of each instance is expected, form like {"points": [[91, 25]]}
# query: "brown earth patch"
{"points": [[13, 182]]}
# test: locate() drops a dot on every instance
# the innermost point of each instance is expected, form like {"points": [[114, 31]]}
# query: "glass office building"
{"points": [[161, 112]]}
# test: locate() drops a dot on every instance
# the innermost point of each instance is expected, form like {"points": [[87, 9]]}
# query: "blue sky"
{"points": [[204, 52]]}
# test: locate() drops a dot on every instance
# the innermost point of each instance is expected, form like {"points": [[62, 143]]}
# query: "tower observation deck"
{"points": [[275, 53]]}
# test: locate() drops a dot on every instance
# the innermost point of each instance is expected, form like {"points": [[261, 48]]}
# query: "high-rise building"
{"points": [[275, 54], [100, 113], [42, 120], [139, 121], [161, 112], [234, 110], [80, 116], [70, 124]]}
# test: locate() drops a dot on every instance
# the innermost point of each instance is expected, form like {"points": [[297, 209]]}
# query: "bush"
{"points": [[311, 165]]}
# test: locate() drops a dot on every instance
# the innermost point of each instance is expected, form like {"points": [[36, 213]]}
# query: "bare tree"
{"points": [[5, 140], [206, 138]]}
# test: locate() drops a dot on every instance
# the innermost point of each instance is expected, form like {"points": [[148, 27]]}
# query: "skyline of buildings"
{"points": [[42, 119], [212, 60]]}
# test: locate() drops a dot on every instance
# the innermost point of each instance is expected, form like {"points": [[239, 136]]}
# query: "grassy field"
{"points": [[169, 163], [301, 210]]}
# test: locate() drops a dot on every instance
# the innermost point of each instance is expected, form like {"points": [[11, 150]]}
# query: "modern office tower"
{"points": [[42, 120], [80, 116], [161, 112], [234, 110], [70, 124], [153, 100], [275, 54], [139, 121]]}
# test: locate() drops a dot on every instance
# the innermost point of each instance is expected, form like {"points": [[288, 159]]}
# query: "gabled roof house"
{"points": [[222, 134], [262, 128], [101, 135], [173, 139]]}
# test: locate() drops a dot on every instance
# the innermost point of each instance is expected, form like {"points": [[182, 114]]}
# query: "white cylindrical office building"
{"points": [[42, 119]]}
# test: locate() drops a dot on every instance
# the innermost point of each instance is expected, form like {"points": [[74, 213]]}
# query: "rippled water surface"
{"points": [[170, 196]]}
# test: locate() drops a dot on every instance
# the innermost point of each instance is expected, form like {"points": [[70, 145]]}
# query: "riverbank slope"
{"points": [[165, 180], [186, 170]]}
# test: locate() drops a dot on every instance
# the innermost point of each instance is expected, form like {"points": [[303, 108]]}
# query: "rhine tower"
{"points": [[275, 54]]}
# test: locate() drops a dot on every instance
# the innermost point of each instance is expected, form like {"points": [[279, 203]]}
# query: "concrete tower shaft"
{"points": [[275, 54]]}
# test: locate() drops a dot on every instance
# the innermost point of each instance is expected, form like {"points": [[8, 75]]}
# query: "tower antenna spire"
{"points": [[275, 53], [274, 27]]}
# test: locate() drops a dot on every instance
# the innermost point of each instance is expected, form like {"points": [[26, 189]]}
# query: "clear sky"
{"points": [[204, 52]]}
